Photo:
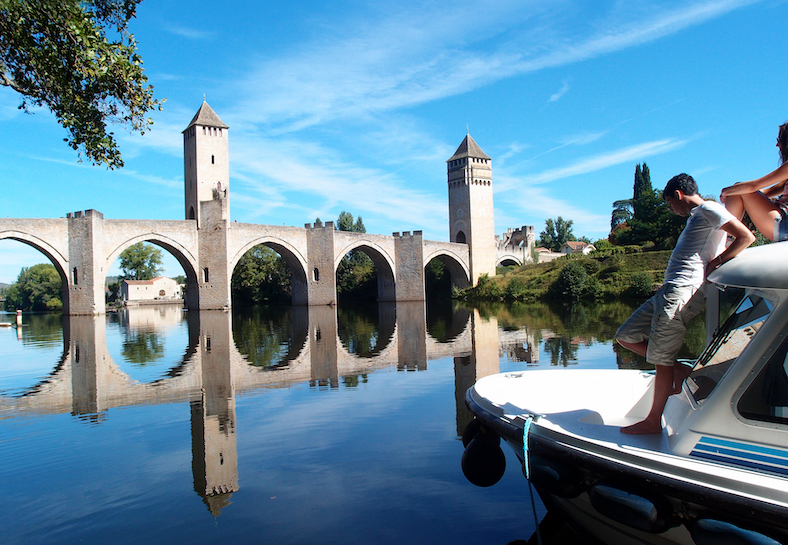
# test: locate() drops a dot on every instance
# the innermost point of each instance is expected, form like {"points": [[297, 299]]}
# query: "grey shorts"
{"points": [[781, 227], [662, 320]]}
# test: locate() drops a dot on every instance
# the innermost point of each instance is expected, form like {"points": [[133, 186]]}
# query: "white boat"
{"points": [[717, 474]]}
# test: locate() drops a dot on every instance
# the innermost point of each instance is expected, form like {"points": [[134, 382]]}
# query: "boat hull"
{"points": [[621, 492]]}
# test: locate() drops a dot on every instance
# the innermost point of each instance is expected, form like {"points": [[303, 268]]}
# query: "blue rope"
{"points": [[527, 463], [526, 430]]}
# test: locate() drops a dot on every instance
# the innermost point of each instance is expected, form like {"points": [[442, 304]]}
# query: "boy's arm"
{"points": [[742, 237]]}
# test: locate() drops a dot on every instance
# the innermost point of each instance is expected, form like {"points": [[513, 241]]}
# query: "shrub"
{"points": [[517, 289], [571, 282], [641, 285], [591, 266]]}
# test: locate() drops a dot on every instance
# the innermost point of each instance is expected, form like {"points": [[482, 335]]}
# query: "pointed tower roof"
{"points": [[468, 148], [206, 117]]}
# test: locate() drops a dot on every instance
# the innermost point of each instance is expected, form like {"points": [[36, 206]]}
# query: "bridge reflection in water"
{"points": [[86, 381]]}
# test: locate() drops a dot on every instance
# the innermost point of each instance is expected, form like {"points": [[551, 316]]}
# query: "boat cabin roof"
{"points": [[763, 267]]}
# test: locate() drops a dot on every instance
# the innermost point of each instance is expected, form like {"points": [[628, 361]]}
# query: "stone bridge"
{"points": [[83, 246]]}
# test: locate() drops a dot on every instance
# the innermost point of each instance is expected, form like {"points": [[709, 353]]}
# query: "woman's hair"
{"points": [[782, 140]]}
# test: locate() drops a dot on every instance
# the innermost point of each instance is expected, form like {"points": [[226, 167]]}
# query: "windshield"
{"points": [[732, 339]]}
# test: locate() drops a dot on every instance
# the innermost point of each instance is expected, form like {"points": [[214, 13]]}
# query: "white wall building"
{"points": [[158, 289]]}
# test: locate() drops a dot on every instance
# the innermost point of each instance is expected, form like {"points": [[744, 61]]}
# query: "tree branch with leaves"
{"points": [[78, 59]]}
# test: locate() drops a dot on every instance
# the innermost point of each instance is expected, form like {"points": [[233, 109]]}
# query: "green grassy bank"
{"points": [[600, 278]]}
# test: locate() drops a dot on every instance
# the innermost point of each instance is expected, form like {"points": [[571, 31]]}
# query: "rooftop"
{"points": [[206, 117], [468, 148]]}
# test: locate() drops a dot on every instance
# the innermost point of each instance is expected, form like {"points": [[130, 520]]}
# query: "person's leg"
{"points": [[688, 311], [639, 348], [663, 389], [762, 211], [680, 374], [633, 334], [665, 340], [735, 205]]}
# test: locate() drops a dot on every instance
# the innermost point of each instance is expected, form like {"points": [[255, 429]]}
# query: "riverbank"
{"points": [[575, 277]]}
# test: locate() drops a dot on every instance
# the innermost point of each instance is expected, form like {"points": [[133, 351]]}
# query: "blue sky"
{"points": [[357, 105]]}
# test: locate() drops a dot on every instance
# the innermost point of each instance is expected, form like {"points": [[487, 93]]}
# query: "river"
{"points": [[278, 425]]}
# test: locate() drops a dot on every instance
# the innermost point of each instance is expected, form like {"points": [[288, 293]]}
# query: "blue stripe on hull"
{"points": [[766, 459]]}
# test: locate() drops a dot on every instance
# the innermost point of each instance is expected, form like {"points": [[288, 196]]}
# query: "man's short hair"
{"points": [[682, 182]]}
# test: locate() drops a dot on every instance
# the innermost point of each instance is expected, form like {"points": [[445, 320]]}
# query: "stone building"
{"points": [[160, 289], [205, 137], [471, 213]]}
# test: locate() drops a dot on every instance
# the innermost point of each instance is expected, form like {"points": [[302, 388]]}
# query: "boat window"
{"points": [[729, 299], [730, 341], [766, 399]]}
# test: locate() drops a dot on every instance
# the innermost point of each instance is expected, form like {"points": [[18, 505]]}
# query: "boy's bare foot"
{"points": [[680, 373], [643, 427]]}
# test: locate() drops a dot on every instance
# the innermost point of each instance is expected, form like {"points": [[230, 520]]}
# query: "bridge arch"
{"points": [[508, 259], [458, 269], [59, 261], [180, 252], [296, 264], [383, 262], [183, 255]]}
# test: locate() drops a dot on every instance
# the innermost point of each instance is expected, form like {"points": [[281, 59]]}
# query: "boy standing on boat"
{"points": [[656, 329]]}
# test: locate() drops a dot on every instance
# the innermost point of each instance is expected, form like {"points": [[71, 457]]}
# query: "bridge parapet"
{"points": [[515, 245]]}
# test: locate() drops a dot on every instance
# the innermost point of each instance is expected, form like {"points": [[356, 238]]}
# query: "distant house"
{"points": [[577, 247], [543, 255], [160, 289]]}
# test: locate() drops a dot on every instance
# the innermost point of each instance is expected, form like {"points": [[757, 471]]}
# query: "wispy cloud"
{"points": [[349, 76], [190, 33], [592, 164], [324, 180], [540, 204], [561, 92], [413, 58]]}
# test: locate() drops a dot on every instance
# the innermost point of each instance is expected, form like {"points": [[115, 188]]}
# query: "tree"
{"points": [[37, 288], [650, 220], [142, 347], [345, 223], [622, 213], [140, 261], [357, 276], [58, 54], [556, 233], [260, 277]]}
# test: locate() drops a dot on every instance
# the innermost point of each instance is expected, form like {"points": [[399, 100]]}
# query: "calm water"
{"points": [[284, 425]]}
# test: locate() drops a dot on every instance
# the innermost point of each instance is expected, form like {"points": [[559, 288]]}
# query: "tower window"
{"points": [[205, 275], [76, 277], [316, 275], [213, 160]]}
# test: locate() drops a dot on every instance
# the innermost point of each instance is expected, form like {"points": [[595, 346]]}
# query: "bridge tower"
{"points": [[206, 177], [471, 216], [206, 162]]}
